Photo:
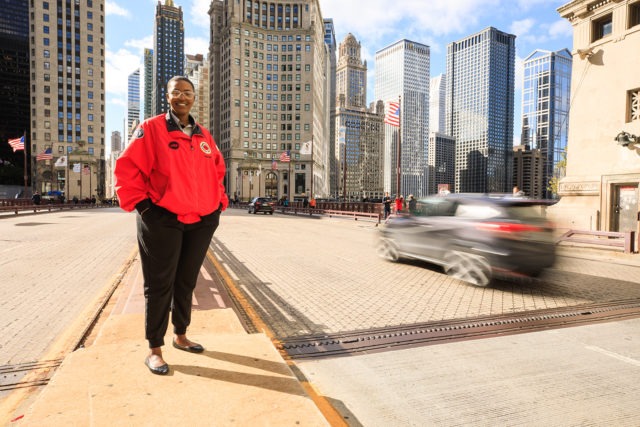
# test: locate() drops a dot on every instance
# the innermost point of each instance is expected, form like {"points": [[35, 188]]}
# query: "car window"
{"points": [[434, 207], [477, 211], [525, 213]]}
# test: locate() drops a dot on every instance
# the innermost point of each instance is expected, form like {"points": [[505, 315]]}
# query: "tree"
{"points": [[560, 170]]}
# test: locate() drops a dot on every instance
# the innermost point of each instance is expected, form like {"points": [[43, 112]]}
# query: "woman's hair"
{"points": [[180, 78]]}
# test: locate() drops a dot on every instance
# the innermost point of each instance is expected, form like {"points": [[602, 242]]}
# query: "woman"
{"points": [[172, 175]]}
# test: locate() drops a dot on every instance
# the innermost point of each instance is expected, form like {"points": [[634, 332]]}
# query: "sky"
{"points": [[375, 24]]}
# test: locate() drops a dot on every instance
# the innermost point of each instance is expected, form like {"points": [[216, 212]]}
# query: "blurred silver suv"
{"points": [[473, 237]]}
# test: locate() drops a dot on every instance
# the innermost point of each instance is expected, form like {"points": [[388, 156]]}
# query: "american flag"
{"points": [[86, 170], [45, 155], [274, 165], [17, 143], [393, 114], [285, 156]]}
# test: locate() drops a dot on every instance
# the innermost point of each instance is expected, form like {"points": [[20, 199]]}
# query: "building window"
{"points": [[634, 14], [601, 27], [634, 105]]}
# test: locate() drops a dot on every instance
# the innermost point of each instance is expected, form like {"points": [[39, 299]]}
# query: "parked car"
{"points": [[473, 237], [261, 204]]}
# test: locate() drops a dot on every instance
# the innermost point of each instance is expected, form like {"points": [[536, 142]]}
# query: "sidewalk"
{"points": [[239, 380]]}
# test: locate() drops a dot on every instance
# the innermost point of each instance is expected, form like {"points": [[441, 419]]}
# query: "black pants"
{"points": [[171, 254]]}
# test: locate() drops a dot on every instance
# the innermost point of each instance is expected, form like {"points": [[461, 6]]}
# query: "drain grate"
{"points": [[375, 340]]}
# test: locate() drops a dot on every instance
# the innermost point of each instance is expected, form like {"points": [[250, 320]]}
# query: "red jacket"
{"points": [[180, 173]]}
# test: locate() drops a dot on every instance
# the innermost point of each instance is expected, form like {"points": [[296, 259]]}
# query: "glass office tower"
{"points": [[545, 107], [168, 49], [133, 102], [402, 72], [14, 83], [480, 96]]}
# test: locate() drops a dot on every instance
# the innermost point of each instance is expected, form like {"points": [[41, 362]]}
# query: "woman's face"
{"points": [[181, 97]]}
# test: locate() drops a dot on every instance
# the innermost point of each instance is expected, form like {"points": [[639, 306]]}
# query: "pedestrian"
{"points": [[412, 204], [399, 203], [517, 192], [387, 205], [312, 203], [36, 198], [172, 174]]}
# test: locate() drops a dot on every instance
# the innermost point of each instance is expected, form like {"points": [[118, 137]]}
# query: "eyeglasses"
{"points": [[187, 94]]}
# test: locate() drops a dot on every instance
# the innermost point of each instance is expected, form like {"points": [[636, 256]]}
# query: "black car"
{"points": [[473, 237], [261, 204]]}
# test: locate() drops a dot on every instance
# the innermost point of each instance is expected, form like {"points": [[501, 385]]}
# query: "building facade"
{"points": [[148, 83], [442, 163], [67, 99], [133, 102], [116, 141], [268, 76], [14, 88], [332, 163], [197, 70], [545, 109], [402, 73], [168, 51], [359, 148], [437, 98], [528, 170], [480, 98], [600, 189]]}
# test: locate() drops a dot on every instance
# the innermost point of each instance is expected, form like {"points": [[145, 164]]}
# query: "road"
{"points": [[311, 276]]}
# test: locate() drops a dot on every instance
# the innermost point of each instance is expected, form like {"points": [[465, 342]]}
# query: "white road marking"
{"points": [[614, 355]]}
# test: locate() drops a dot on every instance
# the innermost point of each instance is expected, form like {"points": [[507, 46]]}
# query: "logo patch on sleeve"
{"points": [[139, 133]]}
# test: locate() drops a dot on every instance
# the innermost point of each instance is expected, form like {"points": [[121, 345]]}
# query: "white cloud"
{"points": [[560, 28], [112, 8], [118, 67], [200, 12], [522, 27], [195, 45]]}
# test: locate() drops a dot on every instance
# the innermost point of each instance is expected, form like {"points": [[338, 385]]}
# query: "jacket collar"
{"points": [[172, 125]]}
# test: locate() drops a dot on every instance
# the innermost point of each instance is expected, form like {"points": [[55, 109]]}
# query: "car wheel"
{"points": [[388, 250], [271, 213], [249, 211], [467, 267]]}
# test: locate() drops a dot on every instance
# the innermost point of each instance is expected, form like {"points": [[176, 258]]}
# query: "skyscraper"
{"points": [[545, 107], [361, 130], [437, 97], [332, 161], [402, 72], [133, 102], [480, 93], [14, 84], [268, 68], [168, 51], [116, 141], [197, 70], [67, 105], [148, 83]]}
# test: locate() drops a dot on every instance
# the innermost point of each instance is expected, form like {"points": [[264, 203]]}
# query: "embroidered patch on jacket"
{"points": [[174, 145], [205, 147], [139, 133]]}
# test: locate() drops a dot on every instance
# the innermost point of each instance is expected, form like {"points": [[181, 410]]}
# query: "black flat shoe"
{"points": [[193, 348], [159, 370]]}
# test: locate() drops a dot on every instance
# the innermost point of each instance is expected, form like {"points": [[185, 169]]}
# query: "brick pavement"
{"points": [[325, 276]]}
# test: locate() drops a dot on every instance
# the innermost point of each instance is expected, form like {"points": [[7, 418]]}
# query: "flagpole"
{"points": [[398, 161], [24, 135], [311, 195], [290, 199]]}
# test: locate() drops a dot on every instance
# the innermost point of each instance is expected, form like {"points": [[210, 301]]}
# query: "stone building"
{"points": [[600, 190]]}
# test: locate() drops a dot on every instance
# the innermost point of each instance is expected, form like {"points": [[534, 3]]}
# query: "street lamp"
{"points": [[626, 139]]}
